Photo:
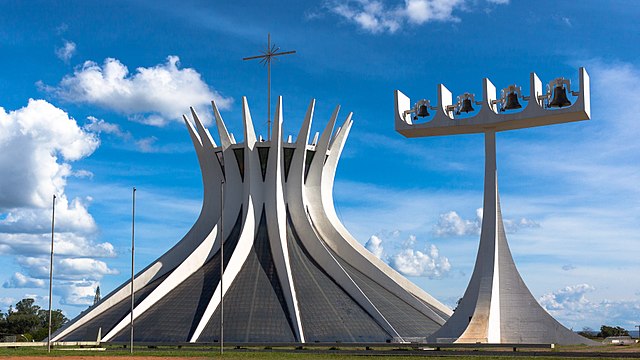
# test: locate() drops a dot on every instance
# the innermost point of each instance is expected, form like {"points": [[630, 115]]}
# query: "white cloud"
{"points": [[374, 244], [19, 280], [82, 174], [84, 268], [512, 226], [72, 216], [6, 301], [422, 11], [99, 126], [66, 244], [408, 261], [145, 145], [154, 95], [370, 15], [412, 262], [66, 52], [67, 268], [451, 224], [38, 143], [570, 298], [376, 16], [571, 306], [31, 141], [76, 293]]}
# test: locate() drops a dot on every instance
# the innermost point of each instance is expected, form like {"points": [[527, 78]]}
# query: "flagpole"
{"points": [[53, 221], [221, 266], [133, 228]]}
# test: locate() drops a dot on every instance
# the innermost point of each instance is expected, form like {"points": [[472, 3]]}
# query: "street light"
{"points": [[221, 266], [53, 222], [133, 231]]}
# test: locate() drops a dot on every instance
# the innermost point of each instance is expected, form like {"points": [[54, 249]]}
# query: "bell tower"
{"points": [[497, 307]]}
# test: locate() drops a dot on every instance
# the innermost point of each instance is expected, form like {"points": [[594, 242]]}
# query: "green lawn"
{"points": [[309, 353]]}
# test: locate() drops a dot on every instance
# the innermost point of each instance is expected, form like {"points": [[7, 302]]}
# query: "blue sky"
{"points": [[92, 95]]}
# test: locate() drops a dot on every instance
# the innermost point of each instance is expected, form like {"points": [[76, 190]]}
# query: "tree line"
{"points": [[28, 322], [605, 332]]}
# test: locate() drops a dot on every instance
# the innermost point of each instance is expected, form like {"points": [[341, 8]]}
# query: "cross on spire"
{"points": [[265, 59]]}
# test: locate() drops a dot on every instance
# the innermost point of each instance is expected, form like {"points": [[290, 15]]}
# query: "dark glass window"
{"points": [[288, 156], [240, 159], [263, 153]]}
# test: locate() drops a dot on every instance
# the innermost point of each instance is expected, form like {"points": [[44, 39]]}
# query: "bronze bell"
{"points": [[466, 106], [512, 102], [423, 110], [559, 97]]}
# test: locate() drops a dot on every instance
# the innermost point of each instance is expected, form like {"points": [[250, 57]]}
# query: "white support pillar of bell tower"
{"points": [[497, 306]]}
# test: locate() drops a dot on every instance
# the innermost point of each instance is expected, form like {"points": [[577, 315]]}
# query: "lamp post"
{"points": [[638, 326], [221, 266], [496, 294], [53, 221], [133, 231]]}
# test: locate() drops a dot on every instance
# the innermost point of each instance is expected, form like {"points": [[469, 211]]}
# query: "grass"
{"points": [[605, 352]]}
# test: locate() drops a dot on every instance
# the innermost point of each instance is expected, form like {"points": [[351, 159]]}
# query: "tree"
{"points": [[587, 332], [3, 324], [30, 320], [57, 320], [27, 307], [606, 331], [24, 319]]}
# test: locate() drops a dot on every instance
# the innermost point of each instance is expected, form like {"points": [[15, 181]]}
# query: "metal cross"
{"points": [[267, 56]]}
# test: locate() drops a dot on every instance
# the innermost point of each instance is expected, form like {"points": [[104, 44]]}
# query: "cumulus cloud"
{"points": [[66, 51], [452, 224], [412, 262], [75, 279], [154, 95], [568, 298], [19, 280], [38, 143], [374, 244], [68, 268], [31, 141], [84, 268], [571, 306], [408, 261], [76, 293], [376, 16], [70, 216], [66, 244]]}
